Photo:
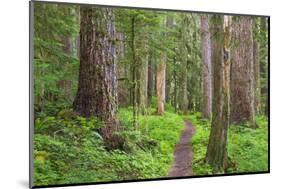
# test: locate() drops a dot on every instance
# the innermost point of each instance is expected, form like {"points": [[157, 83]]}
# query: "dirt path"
{"points": [[183, 153]]}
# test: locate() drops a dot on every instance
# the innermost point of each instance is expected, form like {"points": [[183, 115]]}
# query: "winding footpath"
{"points": [[183, 154]]}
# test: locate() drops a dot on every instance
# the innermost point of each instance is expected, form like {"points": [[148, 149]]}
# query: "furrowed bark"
{"points": [[242, 72], [97, 87]]}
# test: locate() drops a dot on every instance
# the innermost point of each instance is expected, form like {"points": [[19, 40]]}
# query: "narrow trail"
{"points": [[183, 154]]}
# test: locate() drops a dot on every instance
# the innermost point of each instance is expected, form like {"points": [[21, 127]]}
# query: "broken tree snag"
{"points": [[160, 84], [217, 146], [97, 87], [242, 72]]}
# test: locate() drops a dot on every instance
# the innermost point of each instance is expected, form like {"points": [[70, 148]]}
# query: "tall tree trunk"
{"points": [[66, 84], [134, 88], [217, 147], [182, 95], [161, 79], [150, 84], [97, 87], [142, 84], [264, 68], [170, 21], [168, 85], [242, 72], [185, 51], [175, 103], [68, 49], [257, 86], [207, 67], [122, 72]]}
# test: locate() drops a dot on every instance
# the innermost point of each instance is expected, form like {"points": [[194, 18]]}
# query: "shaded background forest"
{"points": [[164, 74]]}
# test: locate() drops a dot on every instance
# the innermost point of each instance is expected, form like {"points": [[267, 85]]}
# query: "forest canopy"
{"points": [[128, 94]]}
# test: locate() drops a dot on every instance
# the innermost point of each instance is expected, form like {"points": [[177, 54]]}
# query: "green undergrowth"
{"points": [[247, 148], [69, 149]]}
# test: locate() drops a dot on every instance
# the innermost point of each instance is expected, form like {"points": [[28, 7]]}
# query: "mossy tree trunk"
{"points": [[217, 147], [207, 67], [97, 95], [264, 66], [242, 72]]}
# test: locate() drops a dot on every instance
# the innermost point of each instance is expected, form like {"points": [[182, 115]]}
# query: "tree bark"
{"points": [[207, 67], [170, 21], [142, 84], [182, 95], [168, 85], [264, 67], [66, 84], [68, 45], [257, 86], [242, 72], [175, 102], [97, 87], [150, 84], [217, 147], [161, 79], [183, 100], [134, 65]]}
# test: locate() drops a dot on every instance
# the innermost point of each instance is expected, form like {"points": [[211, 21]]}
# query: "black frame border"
{"points": [[31, 108]]}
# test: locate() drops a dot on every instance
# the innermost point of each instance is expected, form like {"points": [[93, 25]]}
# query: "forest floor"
{"points": [[183, 154]]}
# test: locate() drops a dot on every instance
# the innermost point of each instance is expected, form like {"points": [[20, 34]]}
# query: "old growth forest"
{"points": [[128, 94]]}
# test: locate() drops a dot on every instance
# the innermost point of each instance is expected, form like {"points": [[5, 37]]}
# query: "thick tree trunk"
{"points": [[242, 72], [161, 79], [217, 147], [207, 67], [97, 87]]}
